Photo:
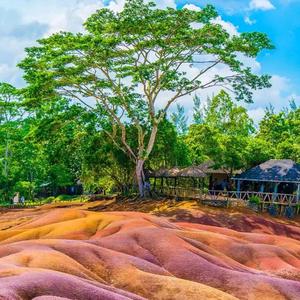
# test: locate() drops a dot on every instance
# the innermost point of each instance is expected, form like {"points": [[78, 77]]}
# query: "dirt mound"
{"points": [[76, 253]]}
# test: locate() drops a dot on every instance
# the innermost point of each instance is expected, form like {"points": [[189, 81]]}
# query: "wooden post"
{"points": [[262, 188], [238, 188], [298, 193], [275, 191]]}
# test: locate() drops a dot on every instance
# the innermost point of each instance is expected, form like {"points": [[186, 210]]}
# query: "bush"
{"points": [[26, 189], [50, 199], [273, 210], [289, 212], [254, 200], [205, 190], [64, 197]]}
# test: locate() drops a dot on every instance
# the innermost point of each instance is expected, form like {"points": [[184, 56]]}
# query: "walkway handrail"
{"points": [[227, 195]]}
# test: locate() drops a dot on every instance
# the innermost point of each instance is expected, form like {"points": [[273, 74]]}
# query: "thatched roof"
{"points": [[276, 170], [174, 172], [208, 167], [194, 171], [164, 172]]}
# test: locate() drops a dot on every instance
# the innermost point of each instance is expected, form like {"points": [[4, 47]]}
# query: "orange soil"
{"points": [[168, 251]]}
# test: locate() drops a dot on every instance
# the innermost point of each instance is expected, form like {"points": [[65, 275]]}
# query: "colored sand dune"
{"points": [[77, 253]]}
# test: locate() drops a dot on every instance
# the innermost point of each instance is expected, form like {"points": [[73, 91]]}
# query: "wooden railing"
{"points": [[246, 195], [196, 193]]}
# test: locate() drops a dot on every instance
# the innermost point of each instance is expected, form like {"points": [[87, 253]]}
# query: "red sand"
{"points": [[75, 253]]}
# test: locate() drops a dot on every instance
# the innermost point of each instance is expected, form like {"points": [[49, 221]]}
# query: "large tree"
{"points": [[131, 66]]}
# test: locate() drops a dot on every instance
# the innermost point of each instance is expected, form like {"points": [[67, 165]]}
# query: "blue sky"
{"points": [[281, 22], [24, 21]]}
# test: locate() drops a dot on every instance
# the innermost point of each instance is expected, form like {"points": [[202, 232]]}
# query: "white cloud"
{"points": [[256, 114], [278, 96], [69, 15], [261, 5], [229, 27], [24, 24], [61, 16], [249, 21], [116, 5], [192, 7], [165, 3]]}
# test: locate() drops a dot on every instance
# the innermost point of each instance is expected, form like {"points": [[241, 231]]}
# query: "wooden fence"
{"points": [[196, 193], [230, 198]]}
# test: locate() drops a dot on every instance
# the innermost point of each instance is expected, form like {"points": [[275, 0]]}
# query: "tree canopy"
{"points": [[101, 106], [223, 135], [127, 64]]}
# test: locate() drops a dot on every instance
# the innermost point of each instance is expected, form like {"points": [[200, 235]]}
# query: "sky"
{"points": [[22, 22]]}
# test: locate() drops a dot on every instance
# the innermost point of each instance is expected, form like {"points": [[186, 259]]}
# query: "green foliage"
{"points": [[16, 157], [254, 200], [96, 103], [179, 120], [170, 149], [63, 198], [282, 132], [106, 183], [224, 134], [127, 61], [258, 150], [198, 111], [26, 189], [50, 199]]}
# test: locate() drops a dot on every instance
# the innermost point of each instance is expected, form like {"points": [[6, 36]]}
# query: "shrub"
{"points": [[64, 197], [50, 199], [254, 200], [205, 190]]}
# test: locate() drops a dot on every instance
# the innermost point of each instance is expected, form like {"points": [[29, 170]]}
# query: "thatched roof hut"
{"points": [[273, 170], [193, 172], [164, 172], [173, 172], [209, 168], [200, 171]]}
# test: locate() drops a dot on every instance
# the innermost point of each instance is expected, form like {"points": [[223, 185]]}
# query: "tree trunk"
{"points": [[139, 172]]}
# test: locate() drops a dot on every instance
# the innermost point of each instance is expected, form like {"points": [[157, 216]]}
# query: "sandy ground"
{"points": [[147, 250]]}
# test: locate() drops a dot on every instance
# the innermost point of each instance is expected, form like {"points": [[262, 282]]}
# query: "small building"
{"points": [[277, 176], [176, 174], [204, 176], [217, 176]]}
